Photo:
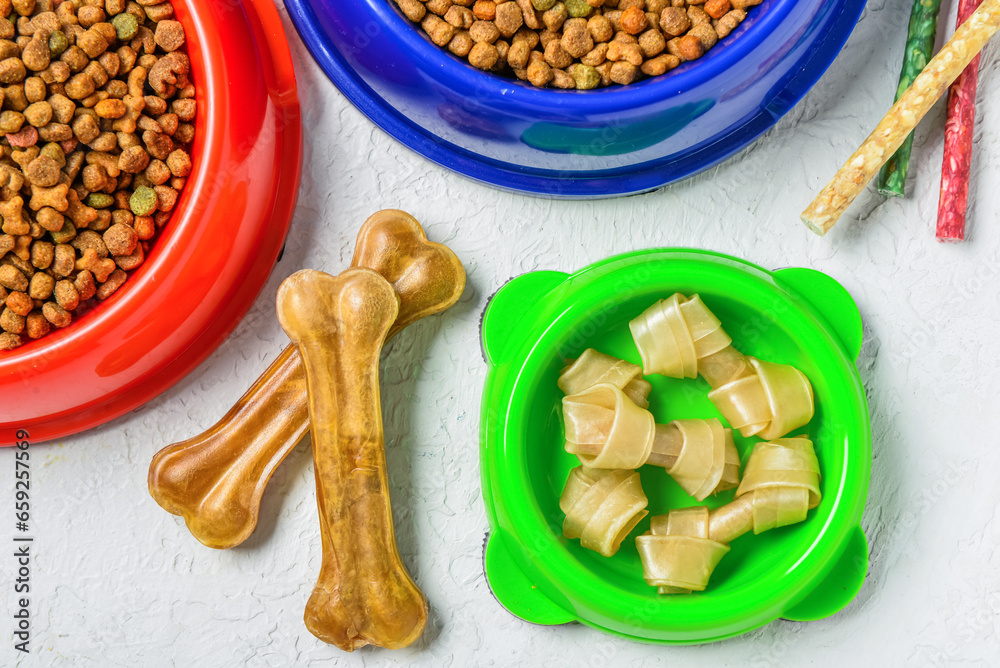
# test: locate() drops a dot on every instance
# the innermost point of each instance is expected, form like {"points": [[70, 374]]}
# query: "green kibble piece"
{"points": [[126, 26], [101, 200], [143, 201], [578, 9], [54, 151], [543, 5], [65, 234], [58, 43], [586, 77]]}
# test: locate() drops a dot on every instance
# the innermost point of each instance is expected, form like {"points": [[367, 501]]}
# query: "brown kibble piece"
{"points": [[576, 40], [36, 326], [42, 171], [729, 22], [706, 33], [414, 9], [690, 47], [120, 239], [169, 35], [114, 281], [556, 56], [56, 314], [131, 261], [508, 18], [12, 279], [66, 295], [41, 286], [20, 303], [745, 4], [674, 21], [483, 55], [460, 17], [484, 31], [42, 254], [65, 260], [652, 43], [85, 285], [600, 28], [623, 72], [539, 73], [11, 322], [437, 29]]}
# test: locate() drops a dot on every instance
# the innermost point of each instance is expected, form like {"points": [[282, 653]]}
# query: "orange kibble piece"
{"points": [[485, 10], [634, 20], [717, 8]]}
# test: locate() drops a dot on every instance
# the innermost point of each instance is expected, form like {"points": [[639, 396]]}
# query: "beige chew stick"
{"points": [[903, 117]]}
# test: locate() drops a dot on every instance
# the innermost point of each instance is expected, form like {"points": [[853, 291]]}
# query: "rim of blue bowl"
{"points": [[592, 184]]}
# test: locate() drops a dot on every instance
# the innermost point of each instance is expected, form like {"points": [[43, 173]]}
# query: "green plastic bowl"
{"points": [[539, 320]]}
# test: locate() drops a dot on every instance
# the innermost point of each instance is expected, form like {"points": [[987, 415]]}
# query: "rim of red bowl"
{"points": [[205, 269]]}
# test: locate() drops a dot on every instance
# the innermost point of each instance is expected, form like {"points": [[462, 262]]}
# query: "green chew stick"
{"points": [[919, 49]]}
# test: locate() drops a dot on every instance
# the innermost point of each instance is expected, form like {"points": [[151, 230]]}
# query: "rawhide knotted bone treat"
{"points": [[593, 367], [675, 333], [216, 479], [606, 430], [602, 506], [678, 553], [783, 478], [364, 594], [699, 455], [680, 338], [769, 403]]}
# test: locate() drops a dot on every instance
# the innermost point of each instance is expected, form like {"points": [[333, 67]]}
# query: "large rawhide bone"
{"points": [[216, 479], [364, 594]]}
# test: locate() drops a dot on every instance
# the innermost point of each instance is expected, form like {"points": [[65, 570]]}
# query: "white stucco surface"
{"points": [[119, 582]]}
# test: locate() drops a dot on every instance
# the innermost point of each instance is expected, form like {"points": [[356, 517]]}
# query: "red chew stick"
{"points": [[954, 198]]}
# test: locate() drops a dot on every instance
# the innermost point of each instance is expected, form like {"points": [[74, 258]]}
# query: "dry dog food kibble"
{"points": [[97, 116], [580, 44]]}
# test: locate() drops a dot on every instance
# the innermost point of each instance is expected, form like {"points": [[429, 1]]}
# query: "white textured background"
{"points": [[119, 582]]}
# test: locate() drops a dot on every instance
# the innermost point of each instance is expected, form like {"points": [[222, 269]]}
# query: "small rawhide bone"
{"points": [[364, 594], [216, 479], [699, 455], [780, 484], [681, 337], [604, 429], [678, 554], [674, 334], [902, 118], [602, 506], [593, 367]]}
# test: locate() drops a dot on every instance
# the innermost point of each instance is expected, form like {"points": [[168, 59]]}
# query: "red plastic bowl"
{"points": [[212, 258]]}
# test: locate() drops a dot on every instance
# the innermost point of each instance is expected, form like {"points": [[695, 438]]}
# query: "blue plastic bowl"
{"points": [[574, 144]]}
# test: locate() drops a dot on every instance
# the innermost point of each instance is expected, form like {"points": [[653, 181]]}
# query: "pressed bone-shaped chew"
{"points": [[774, 400], [216, 479], [364, 594], [602, 506], [593, 367], [678, 553]]}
